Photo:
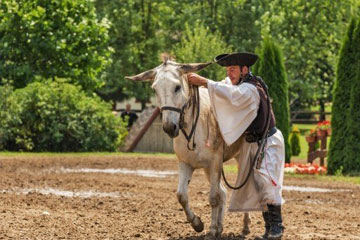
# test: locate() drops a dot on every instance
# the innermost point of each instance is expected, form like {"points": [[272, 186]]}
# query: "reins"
{"points": [[260, 148]]}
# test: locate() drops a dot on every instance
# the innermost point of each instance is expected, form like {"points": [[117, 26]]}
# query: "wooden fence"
{"points": [[309, 117]]}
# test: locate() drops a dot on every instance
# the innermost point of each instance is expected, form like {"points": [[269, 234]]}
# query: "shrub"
{"points": [[57, 116], [295, 142], [8, 116]]}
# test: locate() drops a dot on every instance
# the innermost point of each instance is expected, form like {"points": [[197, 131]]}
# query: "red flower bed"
{"points": [[304, 168]]}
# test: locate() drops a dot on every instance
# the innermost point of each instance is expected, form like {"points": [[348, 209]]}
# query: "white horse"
{"points": [[172, 90]]}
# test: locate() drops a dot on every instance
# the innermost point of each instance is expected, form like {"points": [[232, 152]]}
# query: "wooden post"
{"points": [[318, 153], [323, 150]]}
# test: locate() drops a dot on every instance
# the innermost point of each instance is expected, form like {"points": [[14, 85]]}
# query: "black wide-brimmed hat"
{"points": [[233, 59]]}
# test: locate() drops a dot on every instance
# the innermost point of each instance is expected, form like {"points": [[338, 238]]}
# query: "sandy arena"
{"points": [[103, 197]]}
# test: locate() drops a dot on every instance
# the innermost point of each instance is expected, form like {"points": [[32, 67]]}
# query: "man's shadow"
{"points": [[230, 236]]}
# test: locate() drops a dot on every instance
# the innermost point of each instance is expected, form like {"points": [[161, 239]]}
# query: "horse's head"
{"points": [[172, 90]]}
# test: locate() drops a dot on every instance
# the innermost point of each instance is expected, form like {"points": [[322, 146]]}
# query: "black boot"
{"points": [[275, 220], [267, 225]]}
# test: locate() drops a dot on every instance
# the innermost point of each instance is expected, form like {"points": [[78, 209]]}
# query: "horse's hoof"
{"points": [[197, 224], [210, 236], [245, 231], [219, 231]]}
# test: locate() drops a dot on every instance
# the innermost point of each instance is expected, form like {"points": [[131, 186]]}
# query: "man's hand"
{"points": [[196, 79]]}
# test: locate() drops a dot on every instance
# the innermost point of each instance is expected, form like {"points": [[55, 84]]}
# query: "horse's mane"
{"points": [[165, 57]]}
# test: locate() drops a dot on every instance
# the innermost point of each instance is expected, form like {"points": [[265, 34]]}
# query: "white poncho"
{"points": [[235, 107]]}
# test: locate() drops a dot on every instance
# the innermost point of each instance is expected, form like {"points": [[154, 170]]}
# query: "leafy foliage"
{"points": [[309, 33], [57, 116], [52, 38], [345, 77], [8, 116], [270, 67], [200, 45], [235, 20], [137, 36], [352, 148]]}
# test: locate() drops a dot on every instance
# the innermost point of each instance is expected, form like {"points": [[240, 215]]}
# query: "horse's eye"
{"points": [[177, 88]]}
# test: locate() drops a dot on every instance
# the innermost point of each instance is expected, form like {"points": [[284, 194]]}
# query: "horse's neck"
{"points": [[189, 116], [190, 112]]}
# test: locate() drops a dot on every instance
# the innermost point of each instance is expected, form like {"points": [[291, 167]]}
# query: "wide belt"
{"points": [[254, 137]]}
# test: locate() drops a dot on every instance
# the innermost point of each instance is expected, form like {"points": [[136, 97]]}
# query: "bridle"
{"points": [[194, 102]]}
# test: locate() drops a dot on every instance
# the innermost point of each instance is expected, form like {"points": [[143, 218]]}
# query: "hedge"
{"points": [[57, 117]]}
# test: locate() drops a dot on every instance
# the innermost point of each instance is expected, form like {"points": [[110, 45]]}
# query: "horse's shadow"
{"points": [[230, 236]]}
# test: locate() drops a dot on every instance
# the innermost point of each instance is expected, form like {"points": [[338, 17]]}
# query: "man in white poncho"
{"points": [[240, 106]]}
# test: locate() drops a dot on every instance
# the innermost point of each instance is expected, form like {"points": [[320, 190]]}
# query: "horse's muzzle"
{"points": [[171, 129]]}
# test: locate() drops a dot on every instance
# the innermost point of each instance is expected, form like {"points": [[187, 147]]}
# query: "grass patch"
{"points": [[326, 178], [230, 169], [317, 108], [83, 154], [323, 178]]}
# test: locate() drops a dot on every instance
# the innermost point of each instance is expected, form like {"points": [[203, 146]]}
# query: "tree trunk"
{"points": [[143, 105], [322, 110]]}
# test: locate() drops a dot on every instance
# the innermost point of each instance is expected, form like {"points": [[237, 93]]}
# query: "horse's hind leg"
{"points": [[221, 208], [247, 222], [185, 173], [216, 198]]}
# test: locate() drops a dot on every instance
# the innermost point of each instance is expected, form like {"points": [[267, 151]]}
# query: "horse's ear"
{"points": [[192, 67], [144, 76]]}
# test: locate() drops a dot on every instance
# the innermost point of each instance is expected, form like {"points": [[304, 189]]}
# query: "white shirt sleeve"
{"points": [[234, 106]]}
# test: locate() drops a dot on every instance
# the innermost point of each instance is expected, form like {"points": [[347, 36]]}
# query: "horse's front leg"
{"points": [[185, 173]]}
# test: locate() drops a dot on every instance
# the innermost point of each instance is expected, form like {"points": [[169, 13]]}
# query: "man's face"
{"points": [[128, 107], [233, 72]]}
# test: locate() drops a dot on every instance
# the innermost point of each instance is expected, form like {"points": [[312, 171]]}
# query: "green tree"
{"points": [[270, 67], [309, 33], [233, 19], [345, 76], [139, 29], [352, 148], [142, 29], [238, 23], [201, 45], [52, 38]]}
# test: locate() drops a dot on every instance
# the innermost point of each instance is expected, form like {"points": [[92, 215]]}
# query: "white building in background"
{"points": [[135, 106]]}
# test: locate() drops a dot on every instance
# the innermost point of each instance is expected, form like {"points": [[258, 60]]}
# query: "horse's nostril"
{"points": [[171, 129]]}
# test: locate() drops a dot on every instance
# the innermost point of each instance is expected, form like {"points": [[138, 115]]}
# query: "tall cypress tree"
{"points": [[352, 149], [341, 100], [271, 68]]}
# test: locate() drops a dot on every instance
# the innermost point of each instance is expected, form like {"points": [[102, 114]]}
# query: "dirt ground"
{"points": [[141, 207]]}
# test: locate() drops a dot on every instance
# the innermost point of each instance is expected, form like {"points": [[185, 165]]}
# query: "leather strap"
{"points": [[171, 109]]}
